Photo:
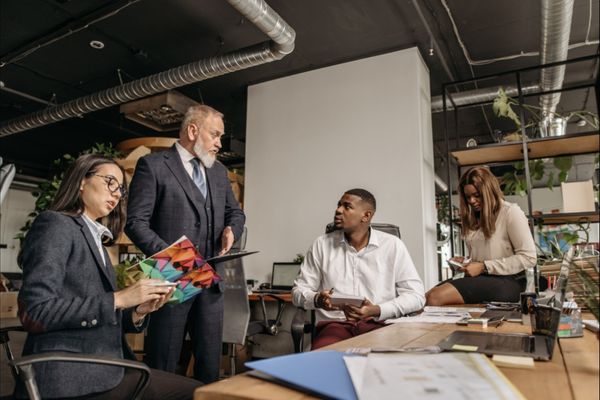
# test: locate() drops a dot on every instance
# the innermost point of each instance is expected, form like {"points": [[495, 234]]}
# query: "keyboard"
{"points": [[271, 291]]}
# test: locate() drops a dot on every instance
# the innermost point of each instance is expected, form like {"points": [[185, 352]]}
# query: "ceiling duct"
{"points": [[257, 11], [556, 18], [161, 112], [554, 37], [473, 97]]}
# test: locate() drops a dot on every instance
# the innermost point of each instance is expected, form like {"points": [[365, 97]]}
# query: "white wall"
{"points": [[311, 136], [16, 206]]}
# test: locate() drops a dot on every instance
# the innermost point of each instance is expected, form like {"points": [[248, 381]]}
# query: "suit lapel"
{"points": [[94, 249], [212, 181], [110, 271], [175, 165]]}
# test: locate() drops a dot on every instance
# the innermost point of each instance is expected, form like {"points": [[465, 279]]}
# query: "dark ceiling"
{"points": [[148, 36]]}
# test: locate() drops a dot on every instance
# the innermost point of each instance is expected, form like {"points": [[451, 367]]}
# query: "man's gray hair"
{"points": [[198, 114]]}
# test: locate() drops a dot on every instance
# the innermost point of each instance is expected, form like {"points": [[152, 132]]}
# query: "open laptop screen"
{"points": [[284, 274]]}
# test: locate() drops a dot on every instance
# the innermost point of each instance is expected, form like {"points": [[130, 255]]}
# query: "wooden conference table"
{"points": [[571, 374]]}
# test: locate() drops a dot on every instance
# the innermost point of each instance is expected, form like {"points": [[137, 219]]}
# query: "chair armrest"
{"points": [[298, 329], [25, 364]]}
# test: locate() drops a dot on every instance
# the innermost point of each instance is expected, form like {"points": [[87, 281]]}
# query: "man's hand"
{"points": [[366, 310], [473, 269], [227, 239], [323, 300]]}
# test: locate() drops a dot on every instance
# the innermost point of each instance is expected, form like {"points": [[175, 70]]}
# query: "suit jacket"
{"points": [[164, 204], [66, 304]]}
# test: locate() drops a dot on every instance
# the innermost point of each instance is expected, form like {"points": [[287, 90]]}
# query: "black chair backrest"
{"points": [[237, 310], [387, 228]]}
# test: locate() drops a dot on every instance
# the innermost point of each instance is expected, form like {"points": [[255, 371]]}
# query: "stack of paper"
{"points": [[429, 376], [437, 315], [337, 375]]}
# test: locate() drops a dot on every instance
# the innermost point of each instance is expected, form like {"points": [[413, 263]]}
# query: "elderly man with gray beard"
{"points": [[185, 191]]}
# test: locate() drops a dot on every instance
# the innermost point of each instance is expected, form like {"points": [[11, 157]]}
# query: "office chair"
{"points": [[300, 326], [237, 325], [22, 368]]}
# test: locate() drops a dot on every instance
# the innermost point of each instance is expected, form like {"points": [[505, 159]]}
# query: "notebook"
{"points": [[282, 277], [545, 321]]}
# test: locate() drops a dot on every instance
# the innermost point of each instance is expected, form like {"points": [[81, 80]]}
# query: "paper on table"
{"points": [[446, 317], [440, 309], [356, 369], [442, 376]]}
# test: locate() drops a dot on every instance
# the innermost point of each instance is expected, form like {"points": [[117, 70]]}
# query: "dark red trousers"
{"points": [[330, 332]]}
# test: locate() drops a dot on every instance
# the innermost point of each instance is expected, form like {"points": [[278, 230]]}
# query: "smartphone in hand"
{"points": [[457, 265]]}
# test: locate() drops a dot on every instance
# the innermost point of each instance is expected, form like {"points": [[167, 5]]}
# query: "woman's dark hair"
{"points": [[68, 197], [491, 197]]}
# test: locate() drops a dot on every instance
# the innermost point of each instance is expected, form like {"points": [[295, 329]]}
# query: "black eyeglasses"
{"points": [[113, 184]]}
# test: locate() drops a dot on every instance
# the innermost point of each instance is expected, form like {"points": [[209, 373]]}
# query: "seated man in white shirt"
{"points": [[357, 260]]}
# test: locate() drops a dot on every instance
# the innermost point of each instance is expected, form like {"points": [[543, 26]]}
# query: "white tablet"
{"points": [[339, 299]]}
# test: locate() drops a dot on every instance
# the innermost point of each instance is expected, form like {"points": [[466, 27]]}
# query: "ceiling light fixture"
{"points": [[161, 112], [96, 44]]}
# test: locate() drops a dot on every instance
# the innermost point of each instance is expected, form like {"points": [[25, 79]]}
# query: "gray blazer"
{"points": [[165, 204], [66, 304]]}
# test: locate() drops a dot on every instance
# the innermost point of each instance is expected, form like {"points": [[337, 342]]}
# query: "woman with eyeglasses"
{"points": [[69, 301], [499, 243]]}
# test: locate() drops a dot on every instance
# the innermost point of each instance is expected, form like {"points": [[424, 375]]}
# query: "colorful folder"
{"points": [[181, 263], [322, 373]]}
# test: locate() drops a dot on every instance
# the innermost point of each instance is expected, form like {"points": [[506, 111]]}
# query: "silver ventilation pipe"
{"points": [[258, 11], [556, 19], [554, 43], [479, 96]]}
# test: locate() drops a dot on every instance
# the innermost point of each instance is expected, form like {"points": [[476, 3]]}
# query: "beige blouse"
{"points": [[510, 249]]}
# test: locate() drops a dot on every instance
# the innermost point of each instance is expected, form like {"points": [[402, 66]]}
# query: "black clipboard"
{"points": [[229, 256]]}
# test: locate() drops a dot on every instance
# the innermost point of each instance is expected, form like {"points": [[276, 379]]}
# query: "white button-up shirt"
{"points": [[98, 231], [382, 272], [186, 159]]}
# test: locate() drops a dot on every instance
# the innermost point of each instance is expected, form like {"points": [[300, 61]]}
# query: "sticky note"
{"points": [[464, 347], [513, 361]]}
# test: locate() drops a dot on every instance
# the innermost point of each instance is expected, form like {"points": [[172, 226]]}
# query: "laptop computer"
{"points": [[545, 320], [282, 277]]}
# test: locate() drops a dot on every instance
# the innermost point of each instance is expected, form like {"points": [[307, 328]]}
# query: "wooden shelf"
{"points": [[567, 218], [580, 143]]}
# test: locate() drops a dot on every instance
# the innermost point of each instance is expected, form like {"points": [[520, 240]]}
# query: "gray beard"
{"points": [[207, 159]]}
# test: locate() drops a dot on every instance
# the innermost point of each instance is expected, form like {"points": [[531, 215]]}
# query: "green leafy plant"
{"points": [[513, 182], [568, 238], [503, 108], [47, 189], [299, 258]]}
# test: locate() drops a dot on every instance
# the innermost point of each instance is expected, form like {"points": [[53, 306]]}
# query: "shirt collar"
{"points": [[185, 155], [97, 228], [373, 238]]}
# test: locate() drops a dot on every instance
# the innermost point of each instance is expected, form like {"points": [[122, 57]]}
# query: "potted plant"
{"points": [[503, 108]]}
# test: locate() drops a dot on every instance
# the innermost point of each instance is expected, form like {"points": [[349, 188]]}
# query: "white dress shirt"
{"points": [[186, 159], [98, 231], [382, 272]]}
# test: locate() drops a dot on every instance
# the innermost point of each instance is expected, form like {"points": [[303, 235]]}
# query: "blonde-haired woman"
{"points": [[499, 245]]}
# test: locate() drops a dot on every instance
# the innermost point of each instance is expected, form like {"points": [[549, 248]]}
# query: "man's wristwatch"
{"points": [[316, 300]]}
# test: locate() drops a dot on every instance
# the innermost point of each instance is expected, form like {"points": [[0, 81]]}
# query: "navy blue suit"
{"points": [[164, 204]]}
